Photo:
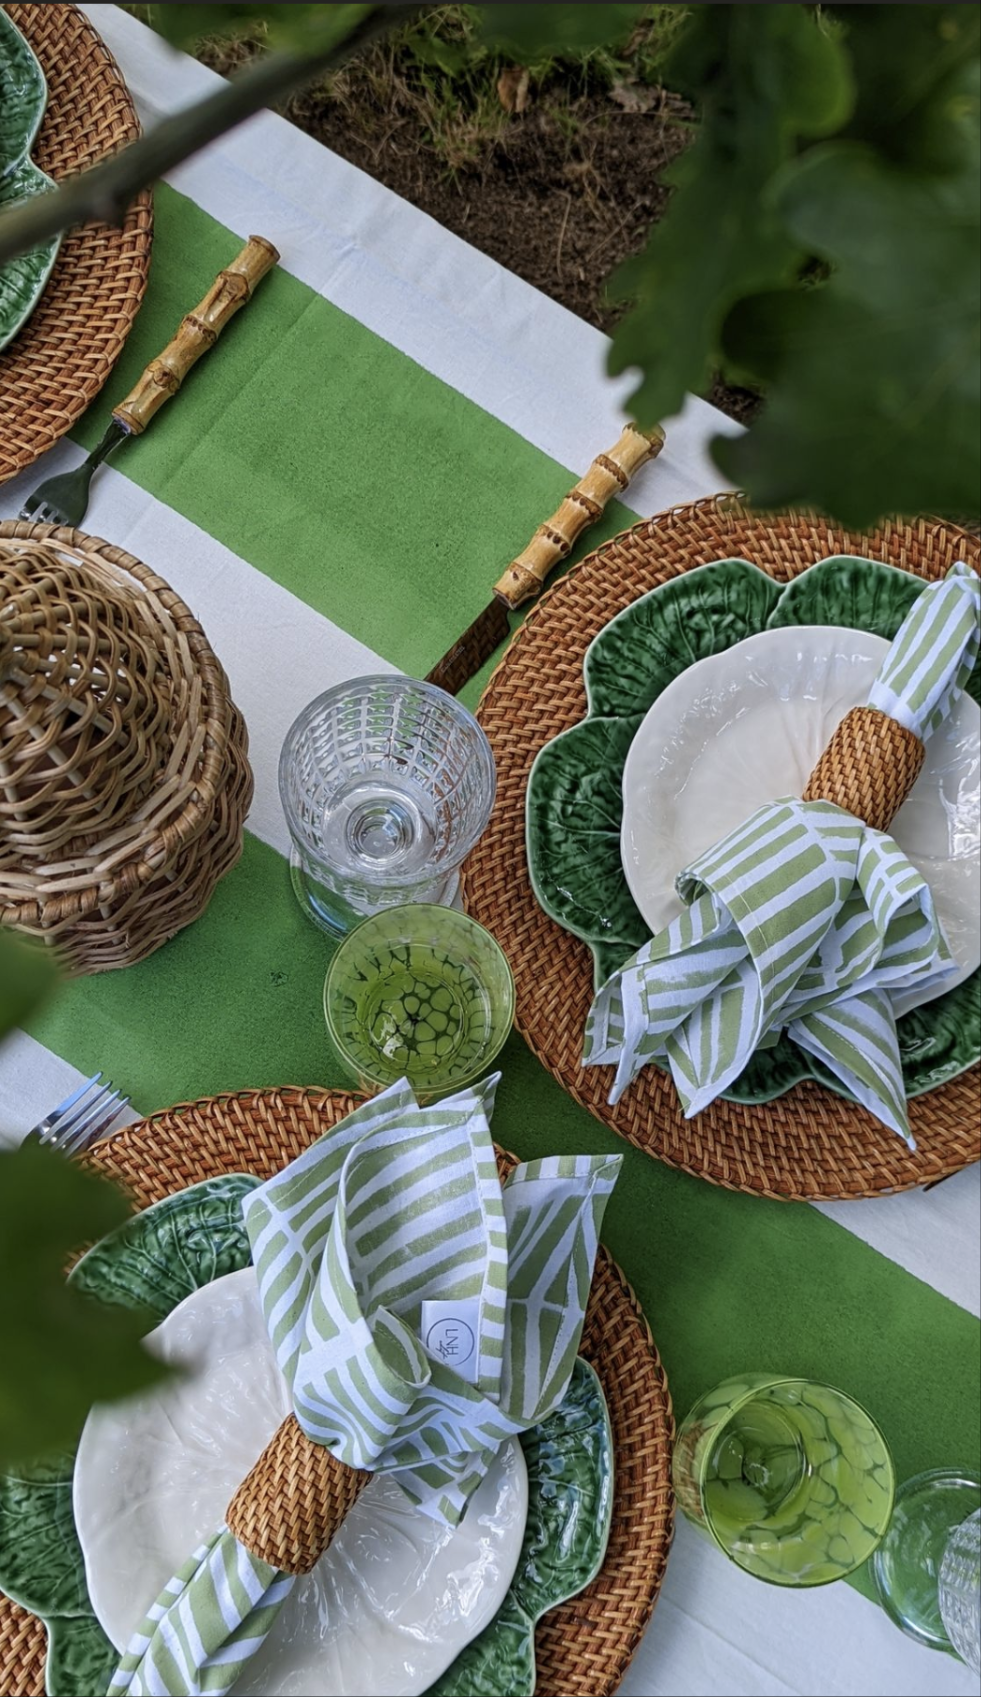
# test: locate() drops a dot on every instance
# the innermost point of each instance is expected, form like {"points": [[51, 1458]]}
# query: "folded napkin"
{"points": [[421, 1314], [807, 919]]}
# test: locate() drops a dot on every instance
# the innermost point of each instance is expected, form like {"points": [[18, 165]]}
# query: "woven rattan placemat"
{"points": [[66, 350], [808, 1143], [582, 1647]]}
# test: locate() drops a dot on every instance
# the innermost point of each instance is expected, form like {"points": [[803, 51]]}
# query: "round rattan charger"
{"points": [[585, 1645], [808, 1143], [60, 360]]}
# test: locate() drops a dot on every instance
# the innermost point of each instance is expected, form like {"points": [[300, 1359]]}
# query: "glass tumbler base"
{"points": [[335, 916], [907, 1563]]}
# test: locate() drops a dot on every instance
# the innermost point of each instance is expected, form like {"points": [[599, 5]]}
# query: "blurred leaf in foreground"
{"points": [[542, 32], [61, 1350], [873, 377], [764, 76], [27, 975], [299, 27]]}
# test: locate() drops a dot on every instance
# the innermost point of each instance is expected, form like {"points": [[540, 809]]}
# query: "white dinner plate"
{"points": [[747, 726], [396, 1597]]}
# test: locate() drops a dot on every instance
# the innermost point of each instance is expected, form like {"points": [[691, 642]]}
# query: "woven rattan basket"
{"points": [[582, 1648], [126, 782], [808, 1143], [66, 350]]}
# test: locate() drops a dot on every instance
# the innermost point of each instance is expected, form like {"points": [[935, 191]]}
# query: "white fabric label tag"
{"points": [[449, 1335]]}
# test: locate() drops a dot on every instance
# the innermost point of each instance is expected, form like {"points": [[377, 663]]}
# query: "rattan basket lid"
{"points": [[124, 773], [808, 1143], [114, 717], [89, 708], [585, 1645], [61, 358]]}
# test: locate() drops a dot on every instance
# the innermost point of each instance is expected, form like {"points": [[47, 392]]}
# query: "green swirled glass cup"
{"points": [[791, 1478], [418, 992]]}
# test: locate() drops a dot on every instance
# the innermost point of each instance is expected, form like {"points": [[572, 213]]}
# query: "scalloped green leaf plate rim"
{"points": [[23, 98], [23, 95], [153, 1262], [574, 798]]}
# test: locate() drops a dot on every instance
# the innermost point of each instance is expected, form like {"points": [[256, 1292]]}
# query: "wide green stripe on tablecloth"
{"points": [[327, 458], [279, 464]]}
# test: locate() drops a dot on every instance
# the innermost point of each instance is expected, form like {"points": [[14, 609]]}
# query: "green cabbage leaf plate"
{"points": [[152, 1263], [23, 97], [574, 802]]}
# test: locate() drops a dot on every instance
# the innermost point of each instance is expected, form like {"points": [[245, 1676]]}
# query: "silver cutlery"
{"points": [[81, 1118], [64, 499]]}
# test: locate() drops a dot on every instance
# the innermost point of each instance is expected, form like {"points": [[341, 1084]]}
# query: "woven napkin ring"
{"points": [[868, 768], [288, 1508]]}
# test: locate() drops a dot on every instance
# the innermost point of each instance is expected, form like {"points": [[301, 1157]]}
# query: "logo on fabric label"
{"points": [[449, 1333]]}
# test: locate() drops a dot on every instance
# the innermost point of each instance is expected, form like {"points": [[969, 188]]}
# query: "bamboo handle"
{"points": [[608, 475], [196, 333]]}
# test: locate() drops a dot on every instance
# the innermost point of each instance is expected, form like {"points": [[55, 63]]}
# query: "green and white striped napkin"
{"points": [[802, 920], [390, 1222]]}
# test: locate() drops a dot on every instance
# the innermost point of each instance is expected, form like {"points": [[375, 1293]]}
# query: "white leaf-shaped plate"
{"points": [[747, 726]]}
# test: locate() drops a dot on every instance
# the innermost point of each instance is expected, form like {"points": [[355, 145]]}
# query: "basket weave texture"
{"points": [[69, 345], [126, 782], [294, 1500], [809, 1143], [869, 767], [582, 1647]]}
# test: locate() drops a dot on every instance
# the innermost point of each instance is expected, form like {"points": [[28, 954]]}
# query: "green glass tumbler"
{"points": [[418, 992], [791, 1478]]}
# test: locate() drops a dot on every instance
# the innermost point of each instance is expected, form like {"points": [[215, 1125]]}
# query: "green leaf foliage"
{"points": [[300, 27], [909, 78], [531, 33], [27, 975], [824, 246], [61, 1350], [765, 77], [873, 378]]}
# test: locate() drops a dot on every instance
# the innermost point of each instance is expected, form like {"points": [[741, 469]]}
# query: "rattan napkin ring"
{"points": [[289, 1507], [868, 768], [294, 1500]]}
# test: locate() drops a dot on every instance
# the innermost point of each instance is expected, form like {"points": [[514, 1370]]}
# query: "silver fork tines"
{"points": [[62, 499], [81, 1118]]}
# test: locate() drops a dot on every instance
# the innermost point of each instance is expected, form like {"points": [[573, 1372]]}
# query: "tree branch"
{"points": [[106, 189]]}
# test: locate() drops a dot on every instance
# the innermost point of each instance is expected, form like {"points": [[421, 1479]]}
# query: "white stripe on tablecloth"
{"points": [[716, 1630]]}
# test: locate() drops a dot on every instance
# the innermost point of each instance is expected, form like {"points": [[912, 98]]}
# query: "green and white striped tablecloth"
{"points": [[333, 493]]}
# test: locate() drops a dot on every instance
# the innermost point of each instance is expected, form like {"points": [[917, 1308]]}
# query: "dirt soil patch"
{"points": [[559, 192]]}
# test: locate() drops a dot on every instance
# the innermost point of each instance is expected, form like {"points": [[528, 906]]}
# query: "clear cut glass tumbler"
{"points": [[931, 1509], [959, 1590], [386, 784], [790, 1477]]}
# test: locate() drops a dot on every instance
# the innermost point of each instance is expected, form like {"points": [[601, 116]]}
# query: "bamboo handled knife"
{"points": [[525, 577]]}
